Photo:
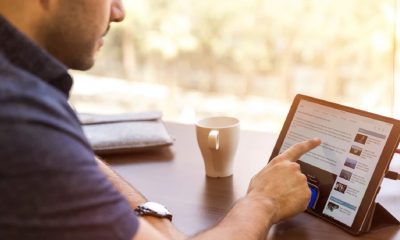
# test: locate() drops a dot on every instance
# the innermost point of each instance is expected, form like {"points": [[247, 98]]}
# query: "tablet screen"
{"points": [[340, 169]]}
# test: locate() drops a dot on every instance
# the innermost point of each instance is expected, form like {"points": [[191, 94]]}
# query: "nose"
{"points": [[117, 11]]}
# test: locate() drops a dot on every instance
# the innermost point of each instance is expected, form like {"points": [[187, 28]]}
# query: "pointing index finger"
{"points": [[297, 150]]}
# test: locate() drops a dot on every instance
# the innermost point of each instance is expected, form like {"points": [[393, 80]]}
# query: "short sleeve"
{"points": [[52, 188]]}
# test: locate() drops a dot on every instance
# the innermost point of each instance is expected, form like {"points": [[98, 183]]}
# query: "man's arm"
{"points": [[277, 192], [164, 229], [246, 220], [135, 198]]}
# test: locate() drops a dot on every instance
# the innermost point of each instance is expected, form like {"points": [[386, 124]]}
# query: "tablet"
{"points": [[344, 173]]}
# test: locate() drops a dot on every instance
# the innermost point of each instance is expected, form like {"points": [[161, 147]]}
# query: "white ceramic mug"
{"points": [[218, 138]]}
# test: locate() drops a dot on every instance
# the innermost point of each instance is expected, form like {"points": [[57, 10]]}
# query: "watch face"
{"points": [[156, 207]]}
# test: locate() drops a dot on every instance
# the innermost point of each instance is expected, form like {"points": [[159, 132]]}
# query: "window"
{"points": [[244, 58]]}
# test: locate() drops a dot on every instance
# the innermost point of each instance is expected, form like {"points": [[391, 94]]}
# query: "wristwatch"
{"points": [[153, 209]]}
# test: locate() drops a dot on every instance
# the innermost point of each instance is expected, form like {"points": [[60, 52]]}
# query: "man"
{"points": [[51, 185]]}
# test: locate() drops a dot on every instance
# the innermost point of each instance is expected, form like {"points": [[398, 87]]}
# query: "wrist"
{"points": [[253, 214], [265, 206], [165, 227]]}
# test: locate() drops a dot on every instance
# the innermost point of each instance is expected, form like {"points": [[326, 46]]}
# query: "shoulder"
{"points": [[36, 117], [36, 121], [48, 167], [26, 98], [15, 80]]}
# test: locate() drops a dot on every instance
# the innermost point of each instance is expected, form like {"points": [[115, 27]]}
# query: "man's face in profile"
{"points": [[76, 29]]}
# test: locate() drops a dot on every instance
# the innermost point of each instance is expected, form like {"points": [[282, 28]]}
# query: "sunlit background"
{"points": [[245, 58]]}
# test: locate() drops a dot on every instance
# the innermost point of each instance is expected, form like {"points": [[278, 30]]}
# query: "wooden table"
{"points": [[175, 177]]}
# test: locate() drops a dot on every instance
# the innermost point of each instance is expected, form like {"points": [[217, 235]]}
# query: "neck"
{"points": [[23, 15]]}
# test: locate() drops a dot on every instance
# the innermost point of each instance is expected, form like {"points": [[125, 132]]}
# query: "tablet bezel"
{"points": [[382, 166]]}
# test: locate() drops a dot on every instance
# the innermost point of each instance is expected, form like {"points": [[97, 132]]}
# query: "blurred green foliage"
{"points": [[335, 49]]}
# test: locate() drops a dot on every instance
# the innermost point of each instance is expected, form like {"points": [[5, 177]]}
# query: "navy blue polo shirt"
{"points": [[50, 184]]}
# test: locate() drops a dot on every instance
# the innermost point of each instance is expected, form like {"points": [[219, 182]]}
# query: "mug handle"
{"points": [[213, 139]]}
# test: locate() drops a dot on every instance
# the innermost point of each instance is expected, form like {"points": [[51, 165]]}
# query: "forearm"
{"points": [[135, 198], [248, 219]]}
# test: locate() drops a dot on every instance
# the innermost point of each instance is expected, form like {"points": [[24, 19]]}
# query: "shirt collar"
{"points": [[22, 52]]}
